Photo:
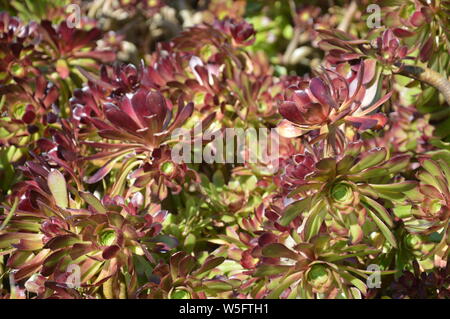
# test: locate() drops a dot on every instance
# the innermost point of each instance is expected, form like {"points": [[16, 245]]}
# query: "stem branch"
{"points": [[345, 23], [428, 76]]}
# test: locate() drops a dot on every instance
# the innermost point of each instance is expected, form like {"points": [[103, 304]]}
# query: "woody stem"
{"points": [[428, 76]]}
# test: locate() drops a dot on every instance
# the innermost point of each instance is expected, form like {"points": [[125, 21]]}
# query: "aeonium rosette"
{"points": [[241, 32], [330, 100], [139, 121], [324, 267], [427, 210], [54, 228], [184, 277], [17, 48], [343, 193]]}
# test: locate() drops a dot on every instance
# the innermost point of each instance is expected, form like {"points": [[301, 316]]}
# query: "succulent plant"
{"points": [[343, 192], [353, 182], [328, 101], [315, 268], [55, 226]]}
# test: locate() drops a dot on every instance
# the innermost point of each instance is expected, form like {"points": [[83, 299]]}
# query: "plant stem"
{"points": [[428, 76], [345, 23]]}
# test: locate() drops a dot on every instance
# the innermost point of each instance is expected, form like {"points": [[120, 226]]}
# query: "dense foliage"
{"points": [[93, 204]]}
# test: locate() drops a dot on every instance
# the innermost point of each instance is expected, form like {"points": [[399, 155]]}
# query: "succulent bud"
{"points": [[107, 237], [320, 278]]}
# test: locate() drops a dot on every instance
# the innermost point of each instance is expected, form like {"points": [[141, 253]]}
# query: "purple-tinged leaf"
{"points": [[277, 250], [110, 252]]}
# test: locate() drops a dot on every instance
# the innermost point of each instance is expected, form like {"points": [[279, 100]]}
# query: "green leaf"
{"points": [[269, 270], [314, 220], [403, 211], [432, 167], [7, 239], [336, 257], [10, 214], [397, 164], [57, 184], [369, 173], [210, 263], [394, 187], [217, 285], [394, 192], [93, 201], [189, 242], [370, 159], [277, 250], [383, 228], [295, 209], [354, 281], [62, 241], [284, 285], [382, 212], [356, 233]]}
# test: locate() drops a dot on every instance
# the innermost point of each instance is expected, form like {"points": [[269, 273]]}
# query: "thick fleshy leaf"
{"points": [[354, 281], [403, 33], [373, 107], [384, 229], [93, 201], [186, 265], [182, 115], [368, 173], [314, 220], [394, 187], [57, 185], [269, 270], [14, 237], [288, 130], [110, 252], [321, 92], [362, 123], [381, 211], [395, 191], [431, 166], [126, 105], [210, 263], [62, 68], [280, 288], [369, 159], [356, 233], [156, 103], [403, 211], [427, 50], [29, 245], [104, 170], [62, 241], [217, 285], [119, 118], [370, 66], [52, 261], [95, 79], [397, 163], [417, 19], [277, 250], [290, 111], [295, 209]]}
